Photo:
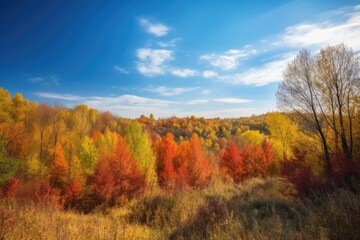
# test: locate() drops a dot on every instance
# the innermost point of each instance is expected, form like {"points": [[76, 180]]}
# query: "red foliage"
{"points": [[73, 193], [343, 170], [10, 188], [199, 170], [180, 163], [116, 175], [95, 134], [296, 171], [268, 151], [43, 193], [231, 162], [59, 169], [165, 153], [254, 161], [106, 118], [191, 165]]}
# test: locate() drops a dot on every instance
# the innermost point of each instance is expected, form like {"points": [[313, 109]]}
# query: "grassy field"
{"points": [[255, 209]]}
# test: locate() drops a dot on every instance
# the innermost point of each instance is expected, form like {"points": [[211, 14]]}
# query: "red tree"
{"points": [[254, 160], [165, 153], [296, 171], [116, 175], [73, 193], [231, 162], [194, 167], [268, 151], [180, 163], [59, 169]]}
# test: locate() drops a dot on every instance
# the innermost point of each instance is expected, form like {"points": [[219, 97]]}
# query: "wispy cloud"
{"points": [[171, 43], [228, 60], [127, 100], [165, 91], [124, 105], [121, 70], [209, 74], [131, 106], [342, 25], [151, 61], [232, 100], [47, 80], [227, 113], [35, 79], [184, 73], [205, 92], [157, 29], [198, 101], [268, 73], [67, 97]]}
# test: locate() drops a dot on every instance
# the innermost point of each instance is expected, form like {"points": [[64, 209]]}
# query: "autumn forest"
{"points": [[282, 175]]}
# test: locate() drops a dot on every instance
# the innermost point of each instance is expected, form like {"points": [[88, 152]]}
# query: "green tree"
{"points": [[88, 154], [140, 146]]}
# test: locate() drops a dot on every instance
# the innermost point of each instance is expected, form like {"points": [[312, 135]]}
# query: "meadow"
{"points": [[255, 209]]}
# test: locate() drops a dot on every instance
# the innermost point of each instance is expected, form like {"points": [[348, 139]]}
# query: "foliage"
{"points": [[140, 146], [231, 162], [117, 174]]}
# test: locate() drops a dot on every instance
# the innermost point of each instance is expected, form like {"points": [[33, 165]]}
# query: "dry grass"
{"points": [[256, 209]]}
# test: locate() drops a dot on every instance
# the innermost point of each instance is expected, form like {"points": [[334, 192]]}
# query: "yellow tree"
{"points": [[252, 137], [284, 133]]}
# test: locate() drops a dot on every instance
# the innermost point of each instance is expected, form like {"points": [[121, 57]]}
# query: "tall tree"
{"points": [[59, 169], [88, 154], [199, 171], [338, 79], [231, 162], [165, 152], [298, 93], [117, 174], [254, 161], [140, 146], [322, 91], [283, 131]]}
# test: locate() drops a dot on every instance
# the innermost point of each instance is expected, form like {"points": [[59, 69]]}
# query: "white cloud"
{"points": [[184, 73], [227, 113], [124, 105], [67, 97], [232, 100], [156, 29], [35, 79], [268, 73], [126, 100], [343, 26], [151, 61], [205, 92], [228, 60], [209, 74], [133, 106], [165, 91], [171, 43], [121, 70], [198, 101]]}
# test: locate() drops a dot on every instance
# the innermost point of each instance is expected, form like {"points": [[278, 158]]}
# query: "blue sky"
{"points": [[169, 58]]}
